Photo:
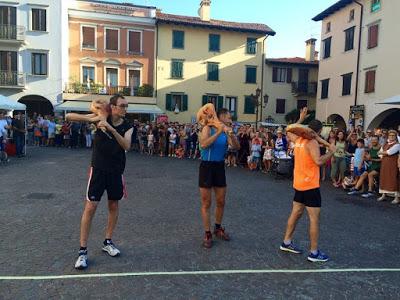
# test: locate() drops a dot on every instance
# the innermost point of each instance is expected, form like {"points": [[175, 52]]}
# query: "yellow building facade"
{"points": [[201, 60]]}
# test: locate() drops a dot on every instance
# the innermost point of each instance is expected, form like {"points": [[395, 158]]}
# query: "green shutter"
{"points": [[185, 103], [251, 46], [214, 42], [178, 39], [249, 107], [251, 74], [176, 69], [212, 72], [204, 100], [220, 102], [168, 102]]}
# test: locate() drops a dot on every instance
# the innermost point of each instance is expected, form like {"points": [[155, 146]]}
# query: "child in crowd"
{"points": [[180, 152], [359, 160], [172, 143], [268, 155], [150, 143], [256, 152]]}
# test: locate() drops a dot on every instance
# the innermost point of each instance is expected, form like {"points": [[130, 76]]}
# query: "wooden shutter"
{"points": [[134, 41], [220, 102], [370, 81], [184, 102], [274, 74], [289, 75], [168, 102], [43, 25], [373, 36], [280, 106], [204, 100], [112, 39], [88, 37], [249, 107]]}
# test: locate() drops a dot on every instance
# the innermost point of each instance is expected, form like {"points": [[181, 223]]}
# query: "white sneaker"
{"points": [[396, 201], [81, 262], [381, 198], [111, 250]]}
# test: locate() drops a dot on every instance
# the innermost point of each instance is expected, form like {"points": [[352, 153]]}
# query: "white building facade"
{"points": [[32, 48]]}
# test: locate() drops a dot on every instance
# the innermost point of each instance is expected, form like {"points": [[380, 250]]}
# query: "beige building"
{"points": [[201, 60], [290, 83], [356, 76]]}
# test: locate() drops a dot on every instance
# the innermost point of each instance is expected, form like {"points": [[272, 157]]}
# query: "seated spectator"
{"points": [[372, 172]]}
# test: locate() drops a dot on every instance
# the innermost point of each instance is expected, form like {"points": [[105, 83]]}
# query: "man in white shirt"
{"points": [[3, 132]]}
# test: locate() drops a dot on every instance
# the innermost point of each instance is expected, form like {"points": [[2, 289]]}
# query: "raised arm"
{"points": [[92, 118]]}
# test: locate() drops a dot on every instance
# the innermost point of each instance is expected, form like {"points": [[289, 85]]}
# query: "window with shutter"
{"points": [[176, 69], [349, 42], [185, 103], [212, 72], [204, 100], [39, 19], [251, 74], [327, 47], [274, 74], [249, 105], [346, 88], [134, 43], [373, 36], [88, 37], [214, 42], [39, 64], [324, 88], [280, 106], [289, 75], [280, 74], [251, 46], [112, 39], [220, 102], [370, 81], [178, 39], [168, 102]]}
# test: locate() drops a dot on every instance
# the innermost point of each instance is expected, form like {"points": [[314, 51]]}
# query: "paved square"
{"points": [[160, 230]]}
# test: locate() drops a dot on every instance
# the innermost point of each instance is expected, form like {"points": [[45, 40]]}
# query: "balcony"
{"points": [[304, 88], [12, 34], [12, 80], [89, 92]]}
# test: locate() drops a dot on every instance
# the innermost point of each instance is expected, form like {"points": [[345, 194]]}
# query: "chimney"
{"points": [[204, 10], [310, 50]]}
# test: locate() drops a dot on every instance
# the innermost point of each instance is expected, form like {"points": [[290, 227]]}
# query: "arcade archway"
{"points": [[337, 121], [389, 119], [37, 104]]}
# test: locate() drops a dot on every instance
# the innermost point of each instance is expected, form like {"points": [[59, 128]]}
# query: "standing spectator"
{"points": [[66, 131], [244, 150], [51, 131], [29, 128], [18, 127], [150, 142], [256, 150], [368, 139], [3, 137], [281, 144], [58, 135], [384, 137], [268, 152], [37, 131], [359, 160], [88, 134], [388, 181], [339, 159], [45, 130], [75, 131], [172, 143]]}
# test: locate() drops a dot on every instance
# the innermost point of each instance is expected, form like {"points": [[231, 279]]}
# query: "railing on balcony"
{"points": [[304, 88], [12, 32], [12, 79], [99, 89]]}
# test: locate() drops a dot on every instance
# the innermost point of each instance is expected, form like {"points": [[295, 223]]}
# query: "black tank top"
{"points": [[107, 154]]}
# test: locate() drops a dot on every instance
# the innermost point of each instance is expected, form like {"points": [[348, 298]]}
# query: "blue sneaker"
{"points": [[290, 248], [319, 257]]}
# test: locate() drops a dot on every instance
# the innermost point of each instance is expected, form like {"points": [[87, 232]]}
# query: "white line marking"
{"points": [[195, 273]]}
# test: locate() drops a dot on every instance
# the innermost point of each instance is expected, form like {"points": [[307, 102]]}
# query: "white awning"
{"points": [[132, 108], [8, 104], [391, 101]]}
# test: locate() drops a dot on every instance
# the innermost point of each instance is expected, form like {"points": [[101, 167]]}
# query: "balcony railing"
{"points": [[12, 79], [12, 32], [99, 89], [304, 88]]}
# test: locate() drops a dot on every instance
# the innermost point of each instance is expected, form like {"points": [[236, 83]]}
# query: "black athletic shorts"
{"points": [[100, 181], [212, 174], [310, 198]]}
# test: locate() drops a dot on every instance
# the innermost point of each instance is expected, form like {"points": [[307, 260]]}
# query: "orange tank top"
{"points": [[306, 171]]}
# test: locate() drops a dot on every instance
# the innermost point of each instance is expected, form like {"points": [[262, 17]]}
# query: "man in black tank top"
{"points": [[112, 139]]}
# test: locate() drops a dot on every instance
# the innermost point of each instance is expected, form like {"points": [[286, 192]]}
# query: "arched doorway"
{"points": [[37, 104], [337, 121], [389, 119]]}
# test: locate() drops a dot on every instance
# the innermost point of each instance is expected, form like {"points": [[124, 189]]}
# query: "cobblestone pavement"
{"points": [[159, 229]]}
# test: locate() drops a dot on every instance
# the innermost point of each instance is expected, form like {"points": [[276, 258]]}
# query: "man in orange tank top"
{"points": [[306, 183]]}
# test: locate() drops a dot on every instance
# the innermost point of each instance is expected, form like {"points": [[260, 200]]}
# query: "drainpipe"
{"points": [[359, 51], [155, 62], [262, 78]]}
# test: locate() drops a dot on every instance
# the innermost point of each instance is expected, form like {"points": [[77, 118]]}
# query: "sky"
{"points": [[290, 19]]}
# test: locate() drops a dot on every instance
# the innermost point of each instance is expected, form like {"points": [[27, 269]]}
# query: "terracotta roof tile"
{"points": [[217, 24], [292, 60]]}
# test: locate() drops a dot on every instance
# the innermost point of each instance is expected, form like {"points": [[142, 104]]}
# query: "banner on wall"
{"points": [[356, 117]]}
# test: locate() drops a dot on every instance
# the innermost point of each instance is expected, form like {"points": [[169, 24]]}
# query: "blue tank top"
{"points": [[217, 150]]}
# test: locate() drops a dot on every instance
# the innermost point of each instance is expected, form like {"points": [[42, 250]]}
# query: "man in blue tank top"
{"points": [[214, 141]]}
